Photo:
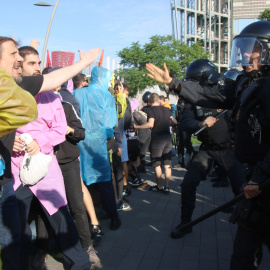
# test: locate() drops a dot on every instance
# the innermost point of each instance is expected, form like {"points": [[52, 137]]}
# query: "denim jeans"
{"points": [[10, 230]]}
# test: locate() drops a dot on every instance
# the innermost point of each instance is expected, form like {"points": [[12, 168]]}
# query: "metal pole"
{"points": [[47, 35]]}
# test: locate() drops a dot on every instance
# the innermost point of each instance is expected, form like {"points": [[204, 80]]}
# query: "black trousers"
{"points": [[73, 186], [63, 227], [118, 174], [184, 141], [198, 170], [247, 249]]}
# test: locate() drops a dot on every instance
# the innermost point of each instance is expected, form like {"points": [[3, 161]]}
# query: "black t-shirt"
{"points": [[31, 84], [162, 117]]}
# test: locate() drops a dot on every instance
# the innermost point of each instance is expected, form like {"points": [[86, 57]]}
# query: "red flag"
{"points": [[48, 64], [101, 59]]}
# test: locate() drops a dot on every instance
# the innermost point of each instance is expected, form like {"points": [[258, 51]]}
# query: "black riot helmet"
{"points": [[146, 97], [231, 75], [204, 72], [252, 44]]}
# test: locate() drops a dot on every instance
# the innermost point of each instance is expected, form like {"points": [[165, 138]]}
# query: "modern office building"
{"points": [[211, 22], [62, 58], [249, 9]]}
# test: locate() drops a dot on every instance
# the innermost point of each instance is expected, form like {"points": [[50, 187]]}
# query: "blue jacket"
{"points": [[98, 114]]}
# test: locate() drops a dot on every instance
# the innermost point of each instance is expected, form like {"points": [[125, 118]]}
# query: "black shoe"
{"points": [[96, 234], [221, 184], [176, 233], [115, 224]]}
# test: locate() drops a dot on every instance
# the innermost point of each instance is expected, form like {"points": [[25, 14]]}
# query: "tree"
{"points": [[160, 49], [265, 15]]}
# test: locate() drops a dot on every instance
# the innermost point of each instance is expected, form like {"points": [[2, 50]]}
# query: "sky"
{"points": [[85, 24]]}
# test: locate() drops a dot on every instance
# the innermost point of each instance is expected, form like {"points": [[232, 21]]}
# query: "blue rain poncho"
{"points": [[98, 114]]}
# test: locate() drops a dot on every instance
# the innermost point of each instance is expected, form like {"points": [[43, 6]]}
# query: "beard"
{"points": [[18, 79]]}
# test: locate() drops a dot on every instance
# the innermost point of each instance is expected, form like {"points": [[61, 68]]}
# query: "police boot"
{"points": [[181, 162]]}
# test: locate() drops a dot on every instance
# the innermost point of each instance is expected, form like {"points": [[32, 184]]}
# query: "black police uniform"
{"points": [[183, 136], [249, 96], [216, 146]]}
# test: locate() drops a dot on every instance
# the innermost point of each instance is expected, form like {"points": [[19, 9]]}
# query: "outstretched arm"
{"points": [[158, 74], [59, 76]]}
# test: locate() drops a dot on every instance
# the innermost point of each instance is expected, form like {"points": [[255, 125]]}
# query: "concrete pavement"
{"points": [[143, 241]]}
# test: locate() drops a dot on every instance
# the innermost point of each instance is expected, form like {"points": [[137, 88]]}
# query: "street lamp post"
{"points": [[43, 4]]}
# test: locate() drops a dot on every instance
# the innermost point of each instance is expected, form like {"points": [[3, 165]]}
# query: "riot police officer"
{"points": [[183, 137], [249, 97], [217, 143]]}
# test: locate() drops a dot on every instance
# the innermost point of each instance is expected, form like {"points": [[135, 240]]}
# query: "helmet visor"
{"points": [[246, 51]]}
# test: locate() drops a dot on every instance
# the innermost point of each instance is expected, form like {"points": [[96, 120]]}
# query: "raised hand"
{"points": [[158, 74], [90, 56]]}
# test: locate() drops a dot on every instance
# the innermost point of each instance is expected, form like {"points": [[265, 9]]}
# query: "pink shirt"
{"points": [[48, 130]]}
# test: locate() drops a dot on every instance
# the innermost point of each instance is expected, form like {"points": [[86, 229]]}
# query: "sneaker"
{"points": [[122, 205], [136, 182], [155, 188], [126, 191], [166, 190], [178, 233], [92, 253]]}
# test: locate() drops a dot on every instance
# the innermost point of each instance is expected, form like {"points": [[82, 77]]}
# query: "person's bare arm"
{"points": [[149, 124], [173, 120], [59, 76]]}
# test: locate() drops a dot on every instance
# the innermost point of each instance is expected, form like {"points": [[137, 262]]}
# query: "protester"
{"points": [[249, 96], [183, 137], [47, 131], [98, 114], [134, 146], [11, 61], [120, 159], [80, 81], [67, 154], [144, 134], [159, 119]]}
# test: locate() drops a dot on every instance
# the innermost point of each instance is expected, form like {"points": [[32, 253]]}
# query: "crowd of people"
{"points": [[95, 139]]}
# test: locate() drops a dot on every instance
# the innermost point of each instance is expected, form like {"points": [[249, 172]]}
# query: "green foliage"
{"points": [[194, 140], [160, 49], [265, 15]]}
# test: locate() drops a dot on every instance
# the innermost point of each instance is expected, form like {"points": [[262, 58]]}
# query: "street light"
{"points": [[43, 4]]}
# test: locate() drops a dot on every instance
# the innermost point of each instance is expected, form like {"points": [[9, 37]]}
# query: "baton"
{"points": [[205, 126], [213, 212]]}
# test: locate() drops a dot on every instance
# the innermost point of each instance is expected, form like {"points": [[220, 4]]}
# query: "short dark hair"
{"points": [[5, 39], [154, 98], [78, 79], [26, 50], [162, 98], [124, 85]]}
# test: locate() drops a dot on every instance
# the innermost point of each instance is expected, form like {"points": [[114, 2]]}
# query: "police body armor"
{"points": [[219, 136]]}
